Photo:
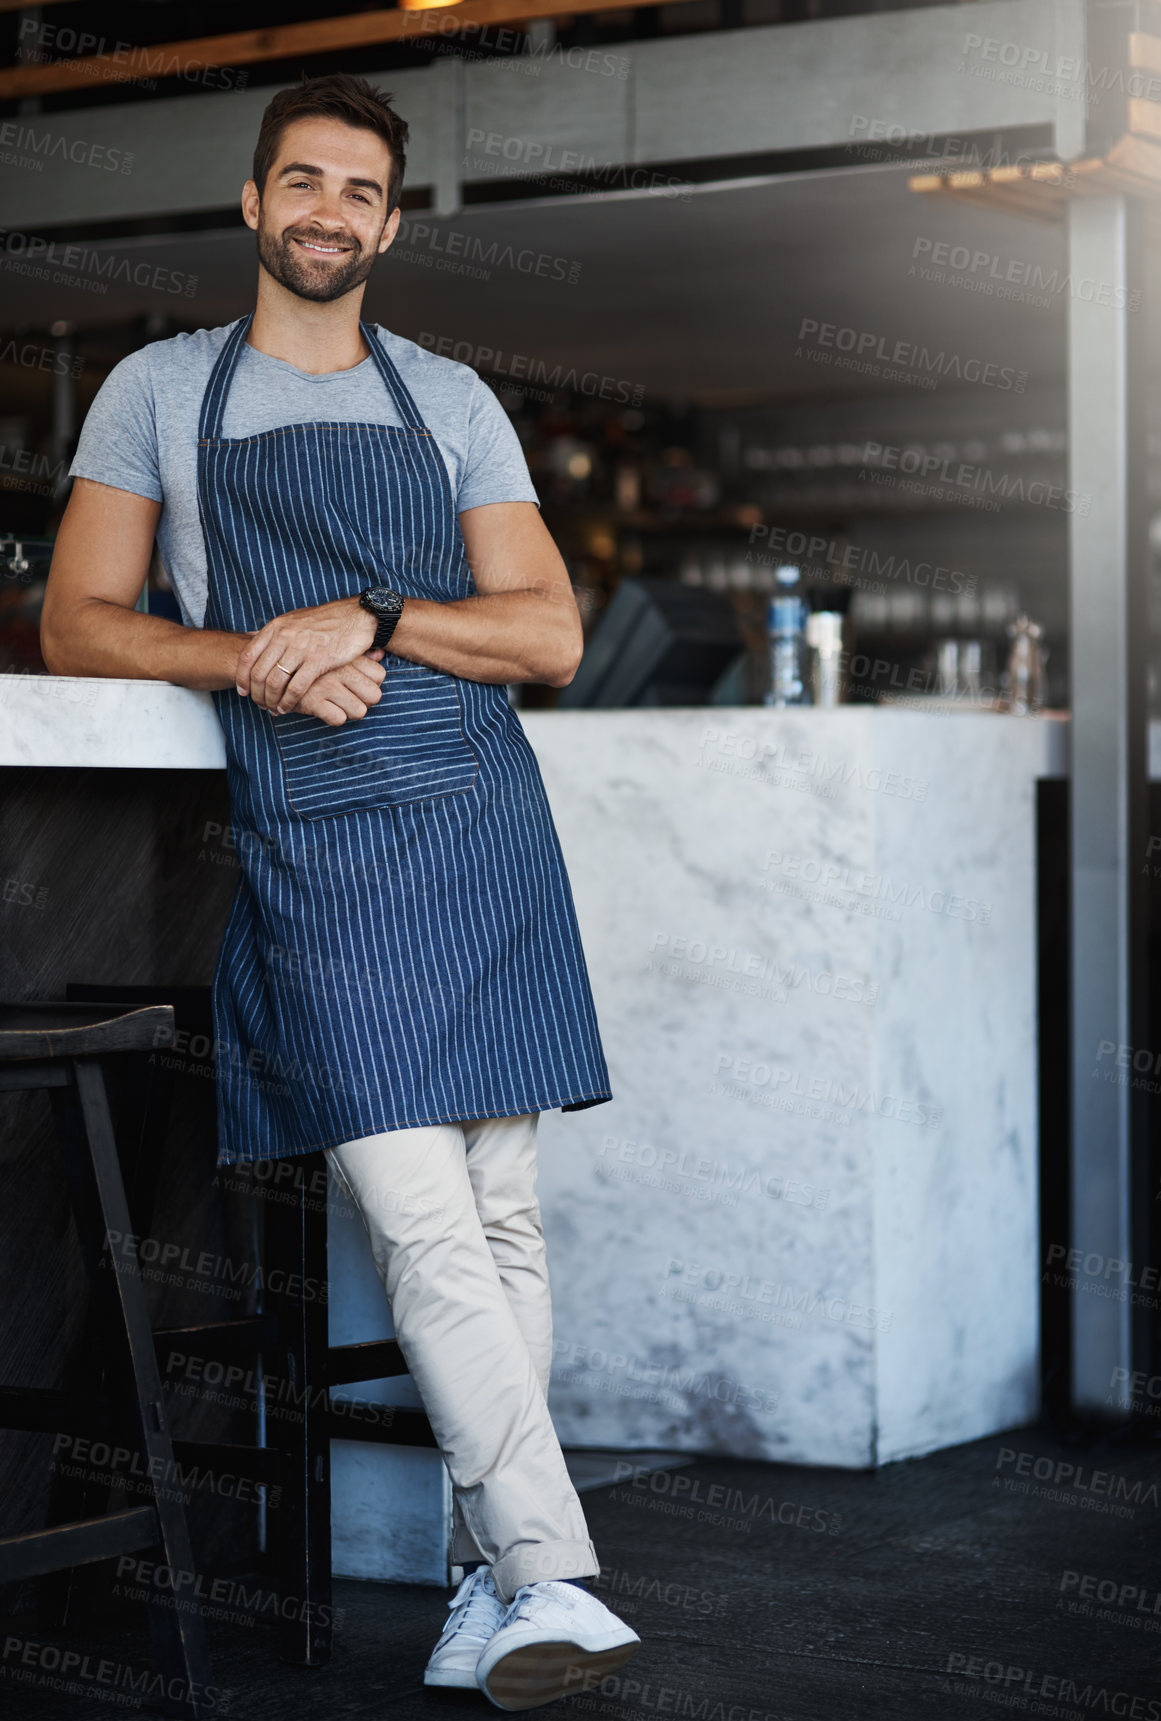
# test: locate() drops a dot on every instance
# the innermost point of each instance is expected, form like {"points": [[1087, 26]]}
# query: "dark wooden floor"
{"points": [[941, 1589]]}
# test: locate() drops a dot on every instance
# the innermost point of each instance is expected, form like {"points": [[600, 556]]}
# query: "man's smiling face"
{"points": [[321, 217]]}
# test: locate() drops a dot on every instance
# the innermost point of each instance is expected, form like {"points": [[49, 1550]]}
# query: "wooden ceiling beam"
{"points": [[280, 42], [1044, 189]]}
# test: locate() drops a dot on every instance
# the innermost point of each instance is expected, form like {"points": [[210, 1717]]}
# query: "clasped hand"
{"points": [[315, 660]]}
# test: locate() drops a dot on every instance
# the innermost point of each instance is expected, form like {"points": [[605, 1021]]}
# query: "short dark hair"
{"points": [[338, 97]]}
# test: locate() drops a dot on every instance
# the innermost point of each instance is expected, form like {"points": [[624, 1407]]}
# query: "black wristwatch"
{"points": [[387, 607]]}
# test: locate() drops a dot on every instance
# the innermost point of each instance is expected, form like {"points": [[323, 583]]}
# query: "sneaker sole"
{"points": [[541, 1672], [453, 1680]]}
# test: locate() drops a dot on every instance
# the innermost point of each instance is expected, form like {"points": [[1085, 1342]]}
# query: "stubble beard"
{"points": [[322, 283]]}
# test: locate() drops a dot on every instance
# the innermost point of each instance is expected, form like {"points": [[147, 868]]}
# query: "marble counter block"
{"points": [[805, 1228], [107, 723]]}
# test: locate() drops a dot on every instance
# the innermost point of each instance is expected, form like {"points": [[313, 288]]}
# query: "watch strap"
{"points": [[386, 627], [386, 624]]}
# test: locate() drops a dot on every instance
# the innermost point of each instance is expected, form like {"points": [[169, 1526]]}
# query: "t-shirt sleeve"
{"points": [[495, 469], [118, 443]]}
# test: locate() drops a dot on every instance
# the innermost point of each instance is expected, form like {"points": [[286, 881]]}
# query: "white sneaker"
{"points": [[552, 1636], [476, 1612]]}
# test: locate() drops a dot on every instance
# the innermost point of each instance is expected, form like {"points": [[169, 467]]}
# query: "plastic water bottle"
{"points": [[786, 634]]}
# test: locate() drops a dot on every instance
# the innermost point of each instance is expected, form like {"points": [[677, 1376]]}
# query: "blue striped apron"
{"points": [[402, 947]]}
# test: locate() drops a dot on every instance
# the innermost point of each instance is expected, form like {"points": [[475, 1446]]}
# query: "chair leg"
{"points": [[62, 1596], [85, 1132], [296, 1250], [145, 1103], [145, 1110]]}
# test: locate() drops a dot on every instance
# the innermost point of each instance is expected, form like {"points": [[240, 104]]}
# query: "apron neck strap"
{"points": [[396, 386], [222, 375]]}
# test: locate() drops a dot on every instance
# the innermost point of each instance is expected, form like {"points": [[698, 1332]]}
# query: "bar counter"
{"points": [[806, 1226]]}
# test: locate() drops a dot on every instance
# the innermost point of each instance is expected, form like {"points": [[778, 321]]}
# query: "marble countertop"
{"points": [[811, 936], [109, 723]]}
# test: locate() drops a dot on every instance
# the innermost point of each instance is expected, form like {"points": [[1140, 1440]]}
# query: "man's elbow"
{"points": [[64, 634], [52, 650], [59, 636], [566, 665]]}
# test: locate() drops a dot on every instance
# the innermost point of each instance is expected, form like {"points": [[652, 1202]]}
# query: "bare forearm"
{"points": [[100, 638], [521, 624], [495, 636]]}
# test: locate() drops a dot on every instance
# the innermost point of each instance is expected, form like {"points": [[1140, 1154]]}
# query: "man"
{"points": [[353, 537]]}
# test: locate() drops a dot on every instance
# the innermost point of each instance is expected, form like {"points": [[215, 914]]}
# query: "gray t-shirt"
{"points": [[141, 432]]}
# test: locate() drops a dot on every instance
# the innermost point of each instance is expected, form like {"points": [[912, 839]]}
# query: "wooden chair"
{"points": [[62, 1047], [289, 1338]]}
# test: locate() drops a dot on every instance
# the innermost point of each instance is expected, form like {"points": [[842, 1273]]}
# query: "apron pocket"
{"points": [[409, 747]]}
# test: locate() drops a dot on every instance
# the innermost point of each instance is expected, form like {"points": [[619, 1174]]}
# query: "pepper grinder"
{"points": [[1026, 661]]}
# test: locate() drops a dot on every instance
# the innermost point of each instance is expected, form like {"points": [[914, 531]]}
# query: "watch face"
{"points": [[385, 600]]}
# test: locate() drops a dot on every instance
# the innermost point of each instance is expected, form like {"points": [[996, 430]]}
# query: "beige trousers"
{"points": [[455, 1231]]}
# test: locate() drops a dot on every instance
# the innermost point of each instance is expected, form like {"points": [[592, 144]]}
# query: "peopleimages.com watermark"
{"points": [[174, 1263], [209, 1380], [765, 755], [720, 1288], [1032, 66], [706, 1178], [817, 550], [35, 474], [625, 1375], [850, 1097], [876, 678], [102, 57], [23, 144], [871, 136], [727, 967], [29, 356], [497, 46], [1017, 1687], [1104, 1275], [591, 1692], [995, 276], [457, 253], [800, 1098], [237, 1600], [1110, 1600], [521, 369], [101, 1679], [39, 685], [257, 1180], [23, 893], [1131, 1067], [124, 1467], [1062, 1482], [981, 486], [492, 153], [873, 893], [262, 1068], [89, 271], [687, 1496], [873, 354], [630, 1588], [228, 845], [499, 40], [1133, 1389]]}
